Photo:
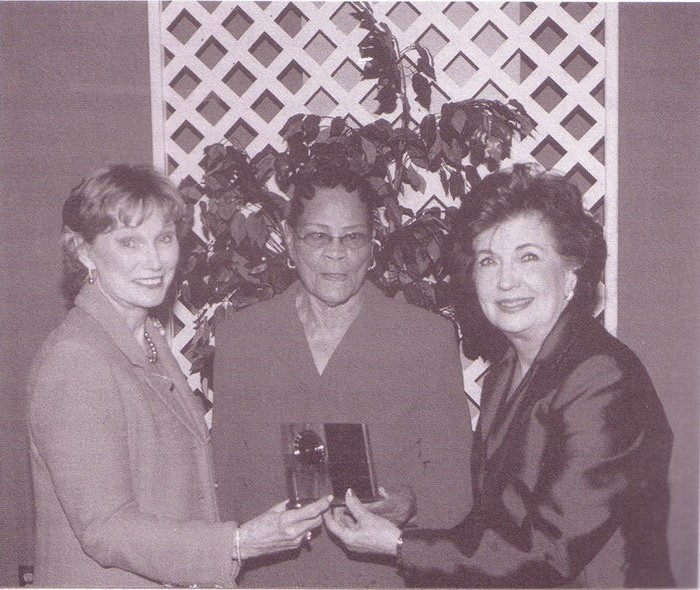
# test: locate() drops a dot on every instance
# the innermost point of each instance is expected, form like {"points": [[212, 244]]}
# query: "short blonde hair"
{"points": [[120, 195]]}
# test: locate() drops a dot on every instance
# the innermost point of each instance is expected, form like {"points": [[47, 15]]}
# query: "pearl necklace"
{"points": [[152, 352]]}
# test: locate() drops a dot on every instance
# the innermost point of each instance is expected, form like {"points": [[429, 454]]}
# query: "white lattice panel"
{"points": [[240, 70]]}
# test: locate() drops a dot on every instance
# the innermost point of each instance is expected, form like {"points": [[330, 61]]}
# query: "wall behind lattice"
{"points": [[238, 71]]}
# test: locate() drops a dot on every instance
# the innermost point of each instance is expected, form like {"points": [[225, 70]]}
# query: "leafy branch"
{"points": [[242, 258]]}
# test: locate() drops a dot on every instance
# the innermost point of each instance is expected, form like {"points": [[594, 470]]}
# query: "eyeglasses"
{"points": [[352, 241]]}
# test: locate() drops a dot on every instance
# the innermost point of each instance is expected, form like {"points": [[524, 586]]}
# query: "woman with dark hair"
{"points": [[333, 348], [572, 446], [120, 453]]}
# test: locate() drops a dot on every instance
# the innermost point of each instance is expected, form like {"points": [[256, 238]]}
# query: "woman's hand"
{"points": [[280, 529], [360, 530], [398, 506]]}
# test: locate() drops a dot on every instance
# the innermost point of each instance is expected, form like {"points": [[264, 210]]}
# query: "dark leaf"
{"points": [[393, 214], [420, 162], [298, 152], [472, 175], [215, 152], [494, 149], [277, 202], [428, 129], [337, 126], [387, 99], [265, 166], [257, 230], [238, 227], [293, 121], [405, 211], [256, 270], [311, 126], [212, 182], [416, 181], [459, 119], [435, 149], [425, 61], [421, 87], [491, 164], [422, 261], [453, 153], [477, 151], [456, 184], [370, 151], [434, 250], [444, 181], [408, 136], [226, 209], [378, 131], [191, 194], [225, 275]]}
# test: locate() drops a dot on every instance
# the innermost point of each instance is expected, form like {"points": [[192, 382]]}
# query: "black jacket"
{"points": [[569, 474]]}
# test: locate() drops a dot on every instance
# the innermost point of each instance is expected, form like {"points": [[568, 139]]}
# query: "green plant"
{"points": [[243, 259]]}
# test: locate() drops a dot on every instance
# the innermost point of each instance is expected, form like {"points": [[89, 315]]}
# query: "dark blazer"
{"points": [[397, 368], [569, 472], [121, 462]]}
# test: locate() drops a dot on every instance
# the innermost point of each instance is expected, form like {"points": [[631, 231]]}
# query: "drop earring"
{"points": [[91, 276], [374, 263], [290, 264]]}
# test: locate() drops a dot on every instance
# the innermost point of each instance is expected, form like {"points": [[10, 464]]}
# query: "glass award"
{"points": [[322, 459]]}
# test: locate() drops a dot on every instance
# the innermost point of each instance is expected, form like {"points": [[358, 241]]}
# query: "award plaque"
{"points": [[321, 459]]}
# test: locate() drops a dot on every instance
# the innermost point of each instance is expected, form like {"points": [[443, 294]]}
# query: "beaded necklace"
{"points": [[152, 352]]}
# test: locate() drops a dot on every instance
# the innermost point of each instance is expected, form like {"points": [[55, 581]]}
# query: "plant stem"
{"points": [[405, 115]]}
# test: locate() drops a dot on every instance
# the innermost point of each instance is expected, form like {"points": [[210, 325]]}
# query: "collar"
{"points": [[95, 303], [557, 342], [371, 292]]}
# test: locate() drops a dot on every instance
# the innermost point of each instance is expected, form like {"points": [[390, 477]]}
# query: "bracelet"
{"points": [[399, 550], [238, 546]]}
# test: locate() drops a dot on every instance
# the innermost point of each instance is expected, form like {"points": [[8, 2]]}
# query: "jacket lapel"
{"points": [[535, 384], [495, 389], [167, 387], [180, 394]]}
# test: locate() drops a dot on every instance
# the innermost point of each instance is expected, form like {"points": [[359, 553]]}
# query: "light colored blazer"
{"points": [[121, 462]]}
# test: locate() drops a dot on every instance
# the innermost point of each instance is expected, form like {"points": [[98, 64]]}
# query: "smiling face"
{"points": [[332, 273], [135, 264], [521, 280]]}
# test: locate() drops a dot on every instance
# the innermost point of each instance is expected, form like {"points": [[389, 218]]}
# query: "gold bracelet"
{"points": [[238, 546], [399, 550]]}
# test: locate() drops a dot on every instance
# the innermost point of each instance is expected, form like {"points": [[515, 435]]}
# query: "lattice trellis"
{"points": [[240, 70]]}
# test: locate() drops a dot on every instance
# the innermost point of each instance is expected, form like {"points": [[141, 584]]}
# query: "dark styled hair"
{"points": [[525, 188], [323, 173], [120, 195]]}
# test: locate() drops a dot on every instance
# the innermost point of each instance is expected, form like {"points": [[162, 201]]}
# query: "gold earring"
{"points": [[290, 264], [374, 263]]}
